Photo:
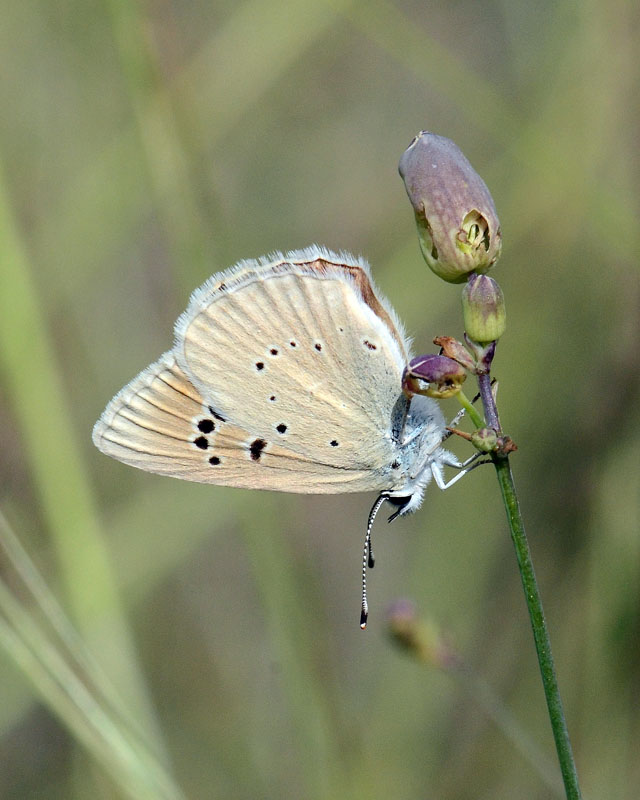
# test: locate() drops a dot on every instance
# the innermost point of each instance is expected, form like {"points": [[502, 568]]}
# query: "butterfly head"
{"points": [[405, 504], [420, 453]]}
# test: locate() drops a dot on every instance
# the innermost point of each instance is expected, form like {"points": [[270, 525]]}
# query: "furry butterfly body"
{"points": [[286, 375]]}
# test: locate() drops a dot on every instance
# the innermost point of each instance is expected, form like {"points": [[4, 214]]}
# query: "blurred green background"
{"points": [[144, 146]]}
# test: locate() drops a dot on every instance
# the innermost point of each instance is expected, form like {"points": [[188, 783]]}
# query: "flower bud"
{"points": [[444, 376], [458, 227], [420, 638], [484, 439], [483, 309]]}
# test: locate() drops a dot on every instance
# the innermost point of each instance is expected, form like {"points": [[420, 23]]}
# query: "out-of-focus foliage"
{"points": [[145, 146]]}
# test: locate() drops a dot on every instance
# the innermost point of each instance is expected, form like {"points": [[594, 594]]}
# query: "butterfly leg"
{"points": [[464, 467], [411, 437], [449, 460], [455, 421]]}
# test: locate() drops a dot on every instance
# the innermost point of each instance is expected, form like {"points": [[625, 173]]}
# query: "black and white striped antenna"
{"points": [[368, 560]]}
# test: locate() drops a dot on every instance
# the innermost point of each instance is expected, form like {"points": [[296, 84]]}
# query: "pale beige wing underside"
{"points": [[297, 356], [160, 423], [285, 375]]}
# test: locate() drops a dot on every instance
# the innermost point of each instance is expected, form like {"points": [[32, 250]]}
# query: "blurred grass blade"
{"points": [[84, 227], [481, 692], [434, 63], [165, 155], [287, 616], [127, 761], [54, 614], [42, 409]]}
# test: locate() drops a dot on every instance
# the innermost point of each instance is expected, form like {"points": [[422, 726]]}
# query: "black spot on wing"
{"points": [[214, 461], [201, 442], [206, 425], [216, 415], [256, 447], [281, 428]]}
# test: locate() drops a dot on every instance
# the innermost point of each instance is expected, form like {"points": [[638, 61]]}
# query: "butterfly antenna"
{"points": [[368, 560]]}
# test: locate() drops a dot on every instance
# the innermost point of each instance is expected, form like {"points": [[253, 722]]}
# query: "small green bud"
{"points": [[485, 439], [483, 310], [458, 227]]}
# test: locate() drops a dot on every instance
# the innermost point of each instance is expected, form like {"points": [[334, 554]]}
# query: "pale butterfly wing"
{"points": [[285, 375], [160, 423]]}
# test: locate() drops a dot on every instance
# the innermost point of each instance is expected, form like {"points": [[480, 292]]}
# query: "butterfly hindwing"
{"points": [[160, 423]]}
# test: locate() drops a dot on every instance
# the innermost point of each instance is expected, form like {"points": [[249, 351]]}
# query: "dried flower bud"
{"points": [[504, 446], [454, 349], [458, 227], [483, 309], [444, 376]]}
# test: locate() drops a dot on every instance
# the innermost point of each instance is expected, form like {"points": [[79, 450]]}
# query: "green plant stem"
{"points": [[533, 600], [540, 631], [468, 407]]}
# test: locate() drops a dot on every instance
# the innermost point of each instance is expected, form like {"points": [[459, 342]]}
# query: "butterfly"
{"points": [[285, 374]]}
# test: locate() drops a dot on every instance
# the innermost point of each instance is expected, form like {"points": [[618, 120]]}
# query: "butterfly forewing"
{"points": [[285, 375]]}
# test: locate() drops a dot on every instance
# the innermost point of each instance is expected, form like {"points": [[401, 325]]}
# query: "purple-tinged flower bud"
{"points": [[483, 309], [419, 637], [458, 227], [484, 439], [444, 376]]}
